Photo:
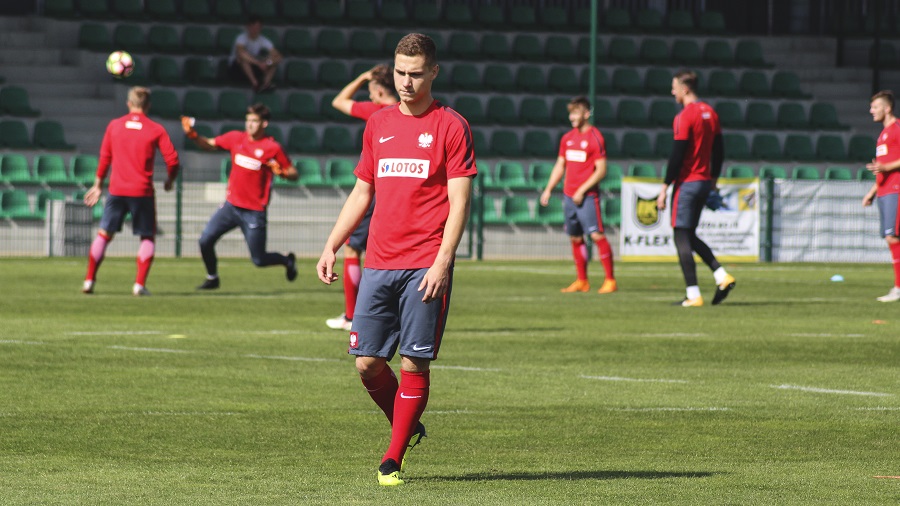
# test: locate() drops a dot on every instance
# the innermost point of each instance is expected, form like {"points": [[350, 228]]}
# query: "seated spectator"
{"points": [[254, 57]]}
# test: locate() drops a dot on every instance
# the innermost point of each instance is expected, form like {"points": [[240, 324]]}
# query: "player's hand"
{"points": [[325, 267], [545, 198], [169, 184], [868, 199], [92, 196], [275, 167], [187, 124], [661, 201], [578, 198], [435, 283]]}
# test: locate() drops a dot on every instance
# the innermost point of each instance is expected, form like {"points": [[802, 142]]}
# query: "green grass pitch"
{"points": [[788, 393]]}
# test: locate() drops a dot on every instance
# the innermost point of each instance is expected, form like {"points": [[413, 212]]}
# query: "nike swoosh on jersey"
{"points": [[382, 140]]}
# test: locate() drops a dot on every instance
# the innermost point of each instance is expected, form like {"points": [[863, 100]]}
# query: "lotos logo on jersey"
{"points": [[247, 162], [576, 155], [403, 167], [881, 150], [354, 340], [425, 140]]}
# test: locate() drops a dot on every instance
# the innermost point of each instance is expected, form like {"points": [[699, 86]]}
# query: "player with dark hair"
{"points": [[380, 79], [418, 158], [129, 146], [255, 159], [694, 167], [582, 159], [886, 167]]}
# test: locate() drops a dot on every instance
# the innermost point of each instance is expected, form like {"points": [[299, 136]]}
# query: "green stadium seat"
{"points": [[723, 83], [686, 52], [658, 81], [559, 49], [534, 111], [736, 147], [581, 18], [224, 170], [792, 116], [539, 144], [527, 47], [14, 102], [637, 145], [761, 115], [197, 10], [463, 45], [14, 204], [485, 175], [490, 16], [466, 77], [766, 147], [303, 106], [300, 74], [333, 43], [337, 139], [612, 211], [523, 17], [199, 104], [510, 174], [426, 13], [232, 105], [530, 78], [799, 147], [748, 53], [627, 81], [202, 130], [623, 50], [603, 114], [654, 52], [94, 37], [83, 168], [712, 23], [14, 169], [162, 10], [739, 171], [365, 44], [489, 213], [480, 141], [754, 83], [554, 17], [14, 135], [831, 148], [804, 172], [662, 148], [273, 102], [502, 110], [303, 139], [865, 174], [309, 171], [786, 84], [339, 171], [130, 37], [887, 55], [225, 37], [562, 79], [230, 127], [649, 21], [48, 134], [94, 8], [642, 170], [329, 12], [165, 104], [516, 210], [612, 182], [838, 174], [505, 143], [631, 112], [298, 42], [267, 10], [165, 70], [772, 171], [458, 15], [495, 46], [163, 39], [471, 108], [499, 78], [823, 115], [662, 112], [583, 49], [198, 39], [60, 9], [333, 74], [718, 52], [730, 115], [393, 12], [201, 71], [680, 21], [861, 148], [552, 213], [602, 83], [617, 20], [42, 197], [612, 145], [539, 174]]}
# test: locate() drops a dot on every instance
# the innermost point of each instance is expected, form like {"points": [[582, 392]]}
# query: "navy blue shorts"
{"points": [[583, 219], [390, 315], [360, 236], [143, 215], [688, 201], [887, 209]]}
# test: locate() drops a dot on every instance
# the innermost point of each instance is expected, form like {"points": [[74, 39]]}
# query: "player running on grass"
{"points": [[129, 146], [255, 159], [418, 158], [380, 79], [582, 159]]}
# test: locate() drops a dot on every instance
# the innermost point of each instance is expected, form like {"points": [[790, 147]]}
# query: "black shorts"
{"points": [[143, 215]]}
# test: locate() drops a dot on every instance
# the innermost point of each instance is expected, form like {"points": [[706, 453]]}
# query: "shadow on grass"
{"points": [[573, 475]]}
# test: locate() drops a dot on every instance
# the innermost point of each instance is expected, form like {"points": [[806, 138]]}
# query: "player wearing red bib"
{"points": [[129, 146], [380, 79], [886, 167], [418, 159], [255, 159], [582, 159], [694, 167]]}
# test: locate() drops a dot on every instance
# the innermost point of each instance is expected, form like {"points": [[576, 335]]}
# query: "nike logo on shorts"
{"points": [[420, 348], [382, 140]]}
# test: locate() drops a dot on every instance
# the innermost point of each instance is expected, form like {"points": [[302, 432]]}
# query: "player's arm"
{"points": [[274, 57], [437, 279], [877, 166], [717, 158], [556, 175], [591, 182], [351, 214], [344, 100], [282, 166], [244, 55], [204, 143], [676, 158], [93, 194], [870, 196]]}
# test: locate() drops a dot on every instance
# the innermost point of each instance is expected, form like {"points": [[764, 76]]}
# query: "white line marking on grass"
{"points": [[157, 350], [825, 335], [295, 359], [190, 413], [116, 333], [878, 408], [669, 409], [639, 380], [279, 332], [830, 391], [463, 368], [525, 270], [673, 334], [13, 341], [452, 412]]}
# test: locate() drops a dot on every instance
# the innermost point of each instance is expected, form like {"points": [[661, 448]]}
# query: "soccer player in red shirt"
{"points": [[255, 159], [694, 167], [380, 79], [886, 167], [418, 158], [582, 158], [129, 146]]}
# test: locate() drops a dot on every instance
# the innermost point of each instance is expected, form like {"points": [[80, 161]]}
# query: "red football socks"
{"points": [[96, 254], [383, 389], [579, 253], [352, 275], [895, 257], [412, 396], [606, 257], [145, 256]]}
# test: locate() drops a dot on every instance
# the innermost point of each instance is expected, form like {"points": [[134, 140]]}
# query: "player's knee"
{"points": [[576, 239], [369, 367], [206, 242], [257, 260]]}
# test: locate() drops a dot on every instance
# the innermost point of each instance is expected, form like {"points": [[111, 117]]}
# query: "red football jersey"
{"points": [[887, 150], [698, 123], [581, 150], [130, 144], [364, 110], [250, 181], [409, 160]]}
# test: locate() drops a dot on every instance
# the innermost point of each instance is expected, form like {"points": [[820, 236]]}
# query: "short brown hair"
{"points": [[260, 110], [687, 78], [138, 96], [382, 75], [417, 44], [579, 101], [887, 96]]}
